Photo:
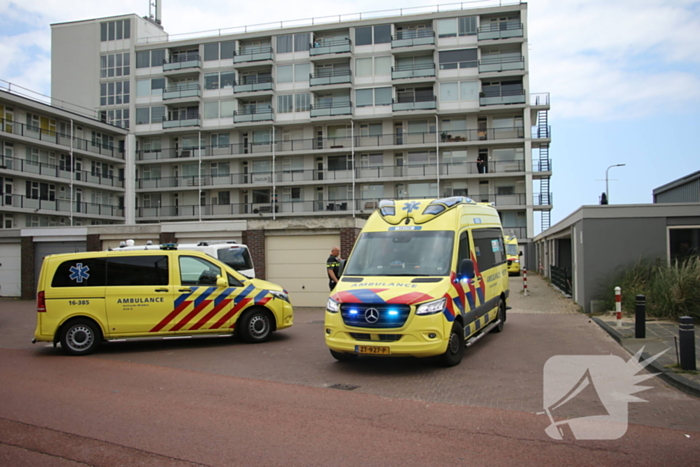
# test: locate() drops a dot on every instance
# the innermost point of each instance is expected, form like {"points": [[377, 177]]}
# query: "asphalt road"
{"points": [[221, 403]]}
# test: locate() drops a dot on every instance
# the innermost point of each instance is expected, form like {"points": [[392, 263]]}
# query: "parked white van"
{"points": [[235, 255]]}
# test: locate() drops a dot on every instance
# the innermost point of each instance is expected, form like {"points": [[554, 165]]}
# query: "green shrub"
{"points": [[671, 291]]}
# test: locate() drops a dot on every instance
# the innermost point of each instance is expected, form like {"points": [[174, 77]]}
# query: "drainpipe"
{"points": [[437, 153], [199, 181], [72, 171], [274, 176], [352, 160]]}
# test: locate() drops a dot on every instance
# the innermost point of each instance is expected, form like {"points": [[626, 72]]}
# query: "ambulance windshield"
{"points": [[402, 253], [511, 249]]}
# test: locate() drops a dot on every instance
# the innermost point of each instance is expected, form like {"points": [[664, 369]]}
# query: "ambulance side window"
{"points": [[137, 270], [197, 271], [88, 272], [463, 248], [488, 246]]}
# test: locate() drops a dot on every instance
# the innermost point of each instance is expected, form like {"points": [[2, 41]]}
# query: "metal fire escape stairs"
{"points": [[544, 166]]}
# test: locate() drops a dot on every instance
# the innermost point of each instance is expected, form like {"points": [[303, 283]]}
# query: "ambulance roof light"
{"points": [[168, 246]]}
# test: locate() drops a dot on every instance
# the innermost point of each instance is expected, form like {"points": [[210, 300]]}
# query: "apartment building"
{"points": [[317, 120], [57, 167]]}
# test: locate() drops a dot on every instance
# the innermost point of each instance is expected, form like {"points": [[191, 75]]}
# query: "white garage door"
{"points": [[298, 263], [10, 271]]}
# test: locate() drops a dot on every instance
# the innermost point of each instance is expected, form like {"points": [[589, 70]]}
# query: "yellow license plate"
{"points": [[370, 349]]}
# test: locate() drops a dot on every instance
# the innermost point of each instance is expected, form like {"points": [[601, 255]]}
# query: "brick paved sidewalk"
{"points": [[659, 338]]}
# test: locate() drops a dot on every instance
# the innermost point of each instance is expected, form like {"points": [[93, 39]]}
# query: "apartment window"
{"points": [[157, 114], [372, 191], [293, 73], [151, 145], [302, 102], [370, 129], [371, 160], [115, 30], [114, 65], [422, 190], [285, 104], [290, 194], [115, 93], [219, 169], [222, 80], [449, 92], [102, 140], [227, 49], [143, 115], [421, 158], [373, 66], [460, 91], [339, 163], [227, 108], [224, 198], [292, 164], [151, 172], [149, 58], [211, 51], [118, 117], [424, 94], [454, 157], [211, 110], [376, 96], [452, 59], [43, 191], [464, 26], [220, 140], [293, 43], [380, 34]]}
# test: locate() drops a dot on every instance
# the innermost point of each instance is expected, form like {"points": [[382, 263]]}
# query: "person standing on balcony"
{"points": [[480, 164], [333, 267]]}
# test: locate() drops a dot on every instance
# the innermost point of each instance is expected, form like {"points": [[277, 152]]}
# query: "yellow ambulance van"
{"points": [[84, 299], [425, 278], [513, 254]]}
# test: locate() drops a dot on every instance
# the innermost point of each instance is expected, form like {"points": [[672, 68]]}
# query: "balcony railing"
{"points": [[337, 46], [254, 113], [541, 98], [501, 30], [182, 90], [516, 96], [183, 61], [332, 108], [59, 206], [425, 103], [179, 121], [52, 136], [253, 84], [496, 64], [413, 71], [326, 143], [253, 54], [387, 172], [323, 77], [59, 171], [413, 38]]}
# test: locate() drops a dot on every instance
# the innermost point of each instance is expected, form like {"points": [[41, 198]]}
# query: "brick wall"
{"points": [[167, 237], [347, 240], [255, 240], [93, 242], [27, 269]]}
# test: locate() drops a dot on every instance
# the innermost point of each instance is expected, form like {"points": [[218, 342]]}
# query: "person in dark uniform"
{"points": [[333, 267]]}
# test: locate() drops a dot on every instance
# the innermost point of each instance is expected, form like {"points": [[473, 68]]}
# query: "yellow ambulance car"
{"points": [[513, 254], [84, 299], [425, 278]]}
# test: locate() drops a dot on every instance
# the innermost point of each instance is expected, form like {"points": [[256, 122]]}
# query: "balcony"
{"points": [[53, 137], [182, 62], [324, 78], [413, 71], [65, 172], [502, 97], [254, 113], [180, 91], [253, 54], [413, 38], [497, 64], [59, 206], [338, 46], [253, 84], [502, 30], [331, 108], [180, 121], [426, 103]]}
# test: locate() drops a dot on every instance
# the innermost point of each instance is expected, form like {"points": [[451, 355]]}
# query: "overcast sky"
{"points": [[623, 76]]}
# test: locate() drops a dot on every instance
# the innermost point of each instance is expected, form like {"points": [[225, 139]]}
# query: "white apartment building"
{"points": [[317, 120]]}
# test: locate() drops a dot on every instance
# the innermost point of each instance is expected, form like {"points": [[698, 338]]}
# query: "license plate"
{"points": [[370, 349]]}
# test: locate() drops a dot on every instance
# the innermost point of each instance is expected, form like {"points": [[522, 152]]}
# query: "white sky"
{"points": [[623, 75]]}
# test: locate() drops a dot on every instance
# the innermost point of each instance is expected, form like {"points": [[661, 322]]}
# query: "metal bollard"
{"points": [[686, 334], [640, 311], [525, 282], [618, 306]]}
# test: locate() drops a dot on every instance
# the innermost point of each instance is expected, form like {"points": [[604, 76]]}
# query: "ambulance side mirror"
{"points": [[520, 254], [221, 282], [466, 269]]}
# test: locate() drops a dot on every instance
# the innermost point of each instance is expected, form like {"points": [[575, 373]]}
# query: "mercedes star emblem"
{"points": [[371, 315]]}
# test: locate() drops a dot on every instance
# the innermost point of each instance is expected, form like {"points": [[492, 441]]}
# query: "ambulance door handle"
{"points": [[162, 290], [185, 290]]}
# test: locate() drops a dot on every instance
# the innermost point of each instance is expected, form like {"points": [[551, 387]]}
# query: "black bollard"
{"points": [[640, 325], [686, 334]]}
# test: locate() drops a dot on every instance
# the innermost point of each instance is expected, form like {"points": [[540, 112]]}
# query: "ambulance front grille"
{"points": [[374, 315], [360, 336]]}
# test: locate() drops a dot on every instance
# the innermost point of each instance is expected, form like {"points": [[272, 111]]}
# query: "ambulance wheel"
{"points": [[343, 357], [255, 326], [80, 336], [455, 347], [501, 316]]}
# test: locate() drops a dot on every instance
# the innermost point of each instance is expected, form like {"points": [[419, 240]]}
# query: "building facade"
{"points": [[318, 120], [684, 190]]}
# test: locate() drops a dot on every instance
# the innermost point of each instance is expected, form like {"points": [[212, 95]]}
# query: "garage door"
{"points": [[298, 263], [10, 271], [43, 249]]}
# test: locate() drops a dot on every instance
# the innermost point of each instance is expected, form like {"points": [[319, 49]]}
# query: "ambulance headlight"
{"points": [[332, 306], [281, 295], [431, 308]]}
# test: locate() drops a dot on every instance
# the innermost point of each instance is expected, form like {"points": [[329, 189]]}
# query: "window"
{"points": [[293, 73], [447, 28], [371, 160], [114, 65], [211, 51], [290, 194], [261, 196], [137, 270], [115, 30], [370, 129], [216, 80], [380, 34], [339, 163], [452, 59], [157, 57], [284, 44], [220, 140], [211, 110], [219, 169], [119, 117], [373, 66], [376, 96], [302, 102], [301, 42], [465, 26], [285, 104], [227, 49], [115, 93], [461, 91], [151, 172], [87, 272], [684, 243], [224, 198], [157, 114], [157, 85], [143, 59], [488, 248], [227, 108], [449, 92], [143, 115]]}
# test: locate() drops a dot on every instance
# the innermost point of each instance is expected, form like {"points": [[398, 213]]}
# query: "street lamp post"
{"points": [[607, 191]]}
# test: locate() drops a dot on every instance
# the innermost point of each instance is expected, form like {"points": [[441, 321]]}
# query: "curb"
{"points": [[677, 381]]}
